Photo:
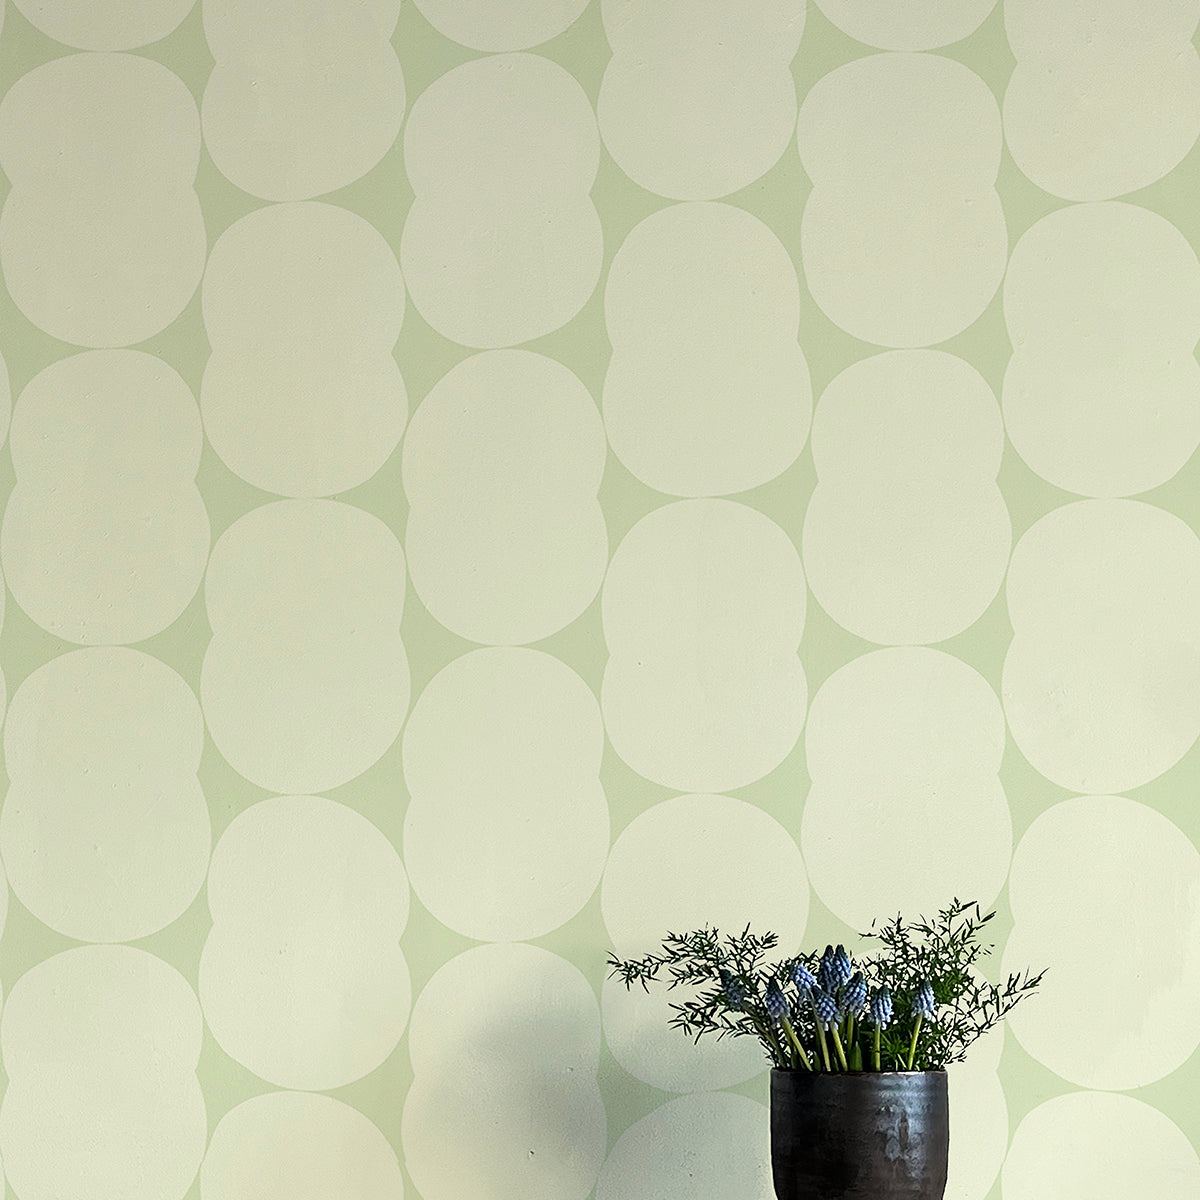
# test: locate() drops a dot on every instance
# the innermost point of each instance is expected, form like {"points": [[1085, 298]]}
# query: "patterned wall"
{"points": [[493, 480]]}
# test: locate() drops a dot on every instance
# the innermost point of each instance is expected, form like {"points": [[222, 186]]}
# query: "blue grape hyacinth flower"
{"points": [[852, 999], [803, 978], [825, 970], [880, 1011], [923, 1001], [835, 969], [843, 967], [778, 1010], [775, 1003], [923, 1006], [881, 1008], [825, 1007], [734, 989], [854, 995]]}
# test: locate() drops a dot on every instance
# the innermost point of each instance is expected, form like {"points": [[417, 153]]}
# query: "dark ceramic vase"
{"points": [[859, 1136]]}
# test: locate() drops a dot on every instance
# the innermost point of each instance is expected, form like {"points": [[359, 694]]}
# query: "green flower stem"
{"points": [[912, 1049], [821, 1043], [771, 1040], [837, 1045], [799, 1049], [849, 1028], [875, 1047]]}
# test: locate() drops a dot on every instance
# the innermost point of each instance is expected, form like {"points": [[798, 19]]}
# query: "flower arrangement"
{"points": [[914, 1005]]}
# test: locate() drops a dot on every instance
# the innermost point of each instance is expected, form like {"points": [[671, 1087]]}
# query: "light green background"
{"points": [[1162, 963]]}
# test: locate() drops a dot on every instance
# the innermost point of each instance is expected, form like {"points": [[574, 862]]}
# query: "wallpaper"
{"points": [[488, 482]]}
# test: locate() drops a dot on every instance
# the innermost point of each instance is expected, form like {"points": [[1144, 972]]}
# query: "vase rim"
{"points": [[853, 1074]]}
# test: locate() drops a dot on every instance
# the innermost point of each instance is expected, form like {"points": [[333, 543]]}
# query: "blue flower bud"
{"points": [[881, 1007], [923, 1001], [843, 965], [825, 1006], [775, 1003], [734, 989], [854, 997], [825, 970], [802, 977]]}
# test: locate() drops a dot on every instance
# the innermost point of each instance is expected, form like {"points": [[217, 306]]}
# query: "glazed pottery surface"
{"points": [[859, 1135]]}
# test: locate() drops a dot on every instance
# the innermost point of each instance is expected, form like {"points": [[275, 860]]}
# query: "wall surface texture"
{"points": [[488, 482]]}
